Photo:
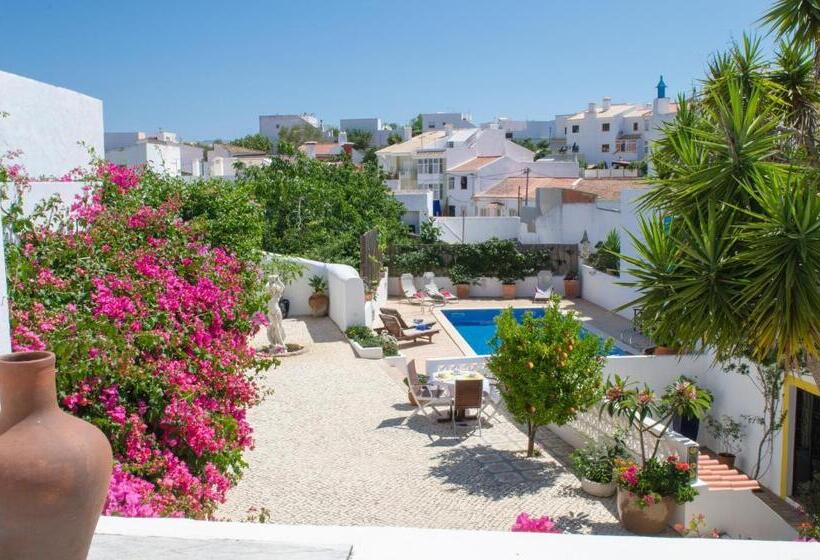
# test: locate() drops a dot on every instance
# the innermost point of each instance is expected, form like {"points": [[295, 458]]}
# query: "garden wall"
{"points": [[476, 229], [345, 290], [603, 290]]}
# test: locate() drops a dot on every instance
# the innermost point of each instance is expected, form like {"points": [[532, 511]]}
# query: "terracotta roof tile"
{"points": [[474, 164], [509, 187], [608, 189]]}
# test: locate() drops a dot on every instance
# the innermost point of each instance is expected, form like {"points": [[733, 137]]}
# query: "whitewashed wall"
{"points": [[345, 290], [603, 289], [476, 229], [47, 122], [486, 287]]}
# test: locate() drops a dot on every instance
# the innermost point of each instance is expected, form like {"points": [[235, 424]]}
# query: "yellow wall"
{"points": [[809, 386]]}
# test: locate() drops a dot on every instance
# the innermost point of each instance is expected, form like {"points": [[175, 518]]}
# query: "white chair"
{"points": [[543, 286], [411, 294], [434, 291], [425, 396]]}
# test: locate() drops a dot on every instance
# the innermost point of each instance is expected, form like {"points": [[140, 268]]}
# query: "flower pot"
{"points": [[54, 467], [572, 288], [368, 296], [727, 459], [463, 291], [599, 489], [686, 426], [649, 520], [367, 352], [318, 304], [665, 351], [508, 291]]}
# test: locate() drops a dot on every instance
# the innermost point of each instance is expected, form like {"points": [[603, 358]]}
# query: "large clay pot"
{"points": [[649, 520], [463, 291], [508, 291], [598, 489], [318, 304], [54, 468], [727, 459], [572, 289], [665, 351]]}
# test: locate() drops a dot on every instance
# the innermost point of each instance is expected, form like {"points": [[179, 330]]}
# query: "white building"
{"points": [[613, 132], [332, 151], [223, 160], [161, 151], [520, 130], [380, 131], [440, 121], [454, 165], [54, 127], [271, 125]]}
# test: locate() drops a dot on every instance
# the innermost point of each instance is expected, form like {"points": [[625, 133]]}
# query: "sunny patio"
{"points": [[338, 439]]}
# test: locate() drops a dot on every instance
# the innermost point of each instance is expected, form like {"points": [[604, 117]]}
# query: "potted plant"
{"points": [[728, 433], [686, 425], [572, 287], [461, 278], [648, 491], [366, 343], [595, 466], [318, 301]]}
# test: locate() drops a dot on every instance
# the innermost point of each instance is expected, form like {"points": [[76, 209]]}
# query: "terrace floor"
{"points": [[335, 445]]}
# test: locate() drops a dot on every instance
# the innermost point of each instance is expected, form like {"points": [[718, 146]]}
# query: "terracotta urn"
{"points": [[508, 291], [572, 288], [665, 351], [463, 291], [54, 468], [649, 520], [318, 304]]}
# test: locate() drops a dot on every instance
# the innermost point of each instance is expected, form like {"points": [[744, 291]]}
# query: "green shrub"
{"points": [[606, 257], [596, 462]]}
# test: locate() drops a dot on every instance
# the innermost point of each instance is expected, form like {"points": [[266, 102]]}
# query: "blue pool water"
{"points": [[477, 327]]}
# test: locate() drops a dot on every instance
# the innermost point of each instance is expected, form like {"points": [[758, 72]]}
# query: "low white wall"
{"points": [[372, 307], [602, 289], [738, 513], [345, 290]]}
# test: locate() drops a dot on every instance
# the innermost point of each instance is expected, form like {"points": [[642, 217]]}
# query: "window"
{"points": [[605, 148], [576, 128], [451, 210], [508, 135], [430, 166], [605, 127], [431, 125], [451, 183], [464, 183], [435, 188], [646, 124], [565, 131], [635, 127]]}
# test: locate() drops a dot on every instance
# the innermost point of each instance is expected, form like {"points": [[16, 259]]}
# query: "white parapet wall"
{"points": [[603, 290], [405, 543], [477, 229], [345, 290], [484, 288]]}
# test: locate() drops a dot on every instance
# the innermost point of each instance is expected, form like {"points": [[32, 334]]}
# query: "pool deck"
{"points": [[449, 343]]}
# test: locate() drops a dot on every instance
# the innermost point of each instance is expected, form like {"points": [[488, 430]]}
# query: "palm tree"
{"points": [[729, 253], [799, 20]]}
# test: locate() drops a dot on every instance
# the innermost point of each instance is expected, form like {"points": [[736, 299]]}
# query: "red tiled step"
{"points": [[718, 476]]}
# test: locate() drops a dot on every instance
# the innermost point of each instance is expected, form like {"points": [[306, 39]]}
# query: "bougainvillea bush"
{"points": [[151, 330]]}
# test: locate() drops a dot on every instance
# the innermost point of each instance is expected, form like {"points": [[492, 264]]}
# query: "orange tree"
{"points": [[548, 371]]}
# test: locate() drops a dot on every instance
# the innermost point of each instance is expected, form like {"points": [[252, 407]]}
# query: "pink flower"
{"points": [[526, 524]]}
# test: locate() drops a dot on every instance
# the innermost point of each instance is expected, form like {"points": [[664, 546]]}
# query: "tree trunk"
{"points": [[531, 438]]}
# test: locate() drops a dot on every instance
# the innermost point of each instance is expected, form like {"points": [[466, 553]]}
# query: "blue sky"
{"points": [[208, 69]]}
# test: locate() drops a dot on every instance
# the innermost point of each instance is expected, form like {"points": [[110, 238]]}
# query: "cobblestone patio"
{"points": [[335, 446]]}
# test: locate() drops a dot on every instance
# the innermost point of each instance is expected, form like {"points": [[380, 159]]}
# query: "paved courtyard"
{"points": [[335, 446]]}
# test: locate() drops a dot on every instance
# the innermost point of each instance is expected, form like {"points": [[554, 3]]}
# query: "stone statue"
{"points": [[276, 332]]}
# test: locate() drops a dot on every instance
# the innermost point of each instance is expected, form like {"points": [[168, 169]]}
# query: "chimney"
{"points": [[407, 133], [310, 149], [591, 108], [607, 103], [342, 137]]}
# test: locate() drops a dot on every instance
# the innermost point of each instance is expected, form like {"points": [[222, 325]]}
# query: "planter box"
{"points": [[370, 353], [399, 362]]}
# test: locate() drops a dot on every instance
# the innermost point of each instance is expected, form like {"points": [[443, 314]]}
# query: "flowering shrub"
{"points": [[526, 524], [656, 480], [150, 326]]}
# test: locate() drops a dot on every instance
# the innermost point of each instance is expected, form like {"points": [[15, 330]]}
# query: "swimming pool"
{"points": [[477, 326]]}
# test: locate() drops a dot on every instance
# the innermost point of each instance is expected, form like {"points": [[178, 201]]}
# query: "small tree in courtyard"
{"points": [[547, 371]]}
